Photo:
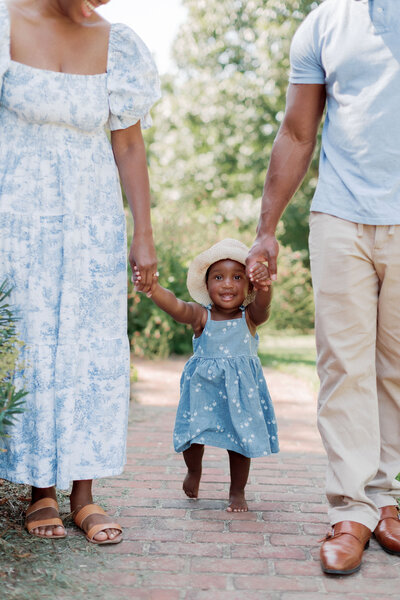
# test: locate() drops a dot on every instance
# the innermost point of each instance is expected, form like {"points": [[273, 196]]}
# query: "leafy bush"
{"points": [[152, 332], [292, 303], [11, 399]]}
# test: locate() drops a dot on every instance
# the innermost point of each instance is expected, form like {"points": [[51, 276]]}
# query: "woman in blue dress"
{"points": [[66, 76], [224, 397]]}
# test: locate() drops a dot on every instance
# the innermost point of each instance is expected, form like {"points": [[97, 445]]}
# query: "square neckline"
{"points": [[18, 64]]}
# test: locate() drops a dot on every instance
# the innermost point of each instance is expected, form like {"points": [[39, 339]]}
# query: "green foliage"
{"points": [[208, 154], [11, 399], [218, 118], [292, 303], [152, 332]]}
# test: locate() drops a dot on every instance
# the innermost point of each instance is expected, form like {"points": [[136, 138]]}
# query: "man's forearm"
{"points": [[289, 163]]}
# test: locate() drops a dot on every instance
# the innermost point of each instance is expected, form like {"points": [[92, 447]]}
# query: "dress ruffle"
{"points": [[133, 83]]}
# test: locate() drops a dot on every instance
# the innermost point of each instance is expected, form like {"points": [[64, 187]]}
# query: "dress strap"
{"points": [[208, 307]]}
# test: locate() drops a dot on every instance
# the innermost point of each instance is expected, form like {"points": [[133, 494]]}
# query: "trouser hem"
{"points": [[367, 520]]}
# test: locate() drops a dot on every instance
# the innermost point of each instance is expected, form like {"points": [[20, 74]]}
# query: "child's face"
{"points": [[227, 283]]}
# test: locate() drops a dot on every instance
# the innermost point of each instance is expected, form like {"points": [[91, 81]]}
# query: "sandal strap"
{"points": [[101, 527], [56, 521], [86, 511], [43, 503]]}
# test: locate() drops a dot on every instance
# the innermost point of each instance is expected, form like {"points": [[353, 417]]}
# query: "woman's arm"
{"points": [[130, 157]]}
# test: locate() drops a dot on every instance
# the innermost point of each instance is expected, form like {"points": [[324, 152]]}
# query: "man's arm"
{"points": [[290, 158]]}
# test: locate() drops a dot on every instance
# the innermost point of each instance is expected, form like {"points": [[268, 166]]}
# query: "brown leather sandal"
{"points": [[54, 521], [94, 509]]}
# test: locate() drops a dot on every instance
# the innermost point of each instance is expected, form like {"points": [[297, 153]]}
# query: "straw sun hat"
{"points": [[196, 277]]}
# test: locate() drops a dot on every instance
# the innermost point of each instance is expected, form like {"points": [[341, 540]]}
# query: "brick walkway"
{"points": [[181, 549]]}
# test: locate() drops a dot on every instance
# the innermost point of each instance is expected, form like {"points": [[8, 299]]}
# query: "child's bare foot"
{"points": [[191, 483], [237, 502], [239, 467], [193, 458]]}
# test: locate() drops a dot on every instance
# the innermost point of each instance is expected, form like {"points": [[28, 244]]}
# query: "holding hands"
{"points": [[259, 276]]}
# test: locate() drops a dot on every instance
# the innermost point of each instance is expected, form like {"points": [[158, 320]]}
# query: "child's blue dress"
{"points": [[224, 397]]}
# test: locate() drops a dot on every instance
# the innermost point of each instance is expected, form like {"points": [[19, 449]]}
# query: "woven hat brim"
{"points": [[196, 278]]}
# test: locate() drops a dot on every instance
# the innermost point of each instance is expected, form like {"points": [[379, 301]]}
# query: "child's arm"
{"points": [[258, 311], [190, 313]]}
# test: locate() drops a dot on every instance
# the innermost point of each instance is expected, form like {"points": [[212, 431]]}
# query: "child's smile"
{"points": [[227, 283]]}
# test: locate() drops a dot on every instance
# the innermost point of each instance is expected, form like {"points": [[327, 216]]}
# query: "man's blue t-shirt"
{"points": [[353, 48]]}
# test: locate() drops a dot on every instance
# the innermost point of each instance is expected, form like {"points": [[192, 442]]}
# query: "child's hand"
{"points": [[259, 276], [136, 280]]}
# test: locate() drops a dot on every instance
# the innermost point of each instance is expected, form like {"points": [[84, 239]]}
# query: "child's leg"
{"points": [[193, 458], [239, 467]]}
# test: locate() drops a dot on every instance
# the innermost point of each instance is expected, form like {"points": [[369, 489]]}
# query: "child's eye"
{"points": [[238, 277], [218, 277]]}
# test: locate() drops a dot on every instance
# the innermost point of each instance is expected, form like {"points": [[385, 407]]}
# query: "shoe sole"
{"points": [[393, 552], [334, 572]]}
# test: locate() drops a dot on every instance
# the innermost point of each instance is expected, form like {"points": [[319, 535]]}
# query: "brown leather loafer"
{"points": [[343, 547], [387, 531]]}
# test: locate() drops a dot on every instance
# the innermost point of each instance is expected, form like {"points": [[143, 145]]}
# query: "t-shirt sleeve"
{"points": [[133, 83], [305, 53]]}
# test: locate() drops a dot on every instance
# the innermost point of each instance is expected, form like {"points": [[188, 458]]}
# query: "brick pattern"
{"points": [[181, 549]]}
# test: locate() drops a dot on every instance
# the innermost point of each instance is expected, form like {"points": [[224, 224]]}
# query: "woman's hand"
{"points": [[143, 261]]}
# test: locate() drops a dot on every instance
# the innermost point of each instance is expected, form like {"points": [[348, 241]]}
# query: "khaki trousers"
{"points": [[356, 279]]}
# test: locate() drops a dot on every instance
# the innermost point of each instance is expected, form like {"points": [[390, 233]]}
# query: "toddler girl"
{"points": [[224, 397]]}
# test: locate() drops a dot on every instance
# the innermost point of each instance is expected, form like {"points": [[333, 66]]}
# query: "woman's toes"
{"points": [[101, 536]]}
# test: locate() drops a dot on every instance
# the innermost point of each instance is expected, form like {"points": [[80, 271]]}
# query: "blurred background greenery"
{"points": [[208, 154]]}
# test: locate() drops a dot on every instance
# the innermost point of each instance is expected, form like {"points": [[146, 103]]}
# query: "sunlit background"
{"points": [[156, 21], [224, 67]]}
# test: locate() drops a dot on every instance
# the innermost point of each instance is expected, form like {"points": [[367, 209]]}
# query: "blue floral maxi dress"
{"points": [[63, 249], [224, 396]]}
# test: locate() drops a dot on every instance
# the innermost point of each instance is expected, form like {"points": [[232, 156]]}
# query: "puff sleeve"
{"points": [[132, 81], [4, 40]]}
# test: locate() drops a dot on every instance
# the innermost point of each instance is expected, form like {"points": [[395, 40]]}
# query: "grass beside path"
{"points": [[37, 569], [289, 352]]}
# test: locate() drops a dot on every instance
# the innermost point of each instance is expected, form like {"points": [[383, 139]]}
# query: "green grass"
{"points": [[290, 353], [36, 569]]}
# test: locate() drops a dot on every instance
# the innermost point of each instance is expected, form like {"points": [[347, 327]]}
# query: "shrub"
{"points": [[11, 398]]}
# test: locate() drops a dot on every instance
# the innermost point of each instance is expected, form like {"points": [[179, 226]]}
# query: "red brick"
{"points": [[296, 517], [154, 563], [223, 515], [314, 508], [180, 580], [150, 534], [185, 549], [293, 540], [228, 538], [230, 565], [264, 527], [274, 583], [386, 587], [267, 551], [296, 567], [133, 511]]}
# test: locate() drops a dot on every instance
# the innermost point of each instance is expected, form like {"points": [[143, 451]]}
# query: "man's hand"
{"points": [[264, 250]]}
